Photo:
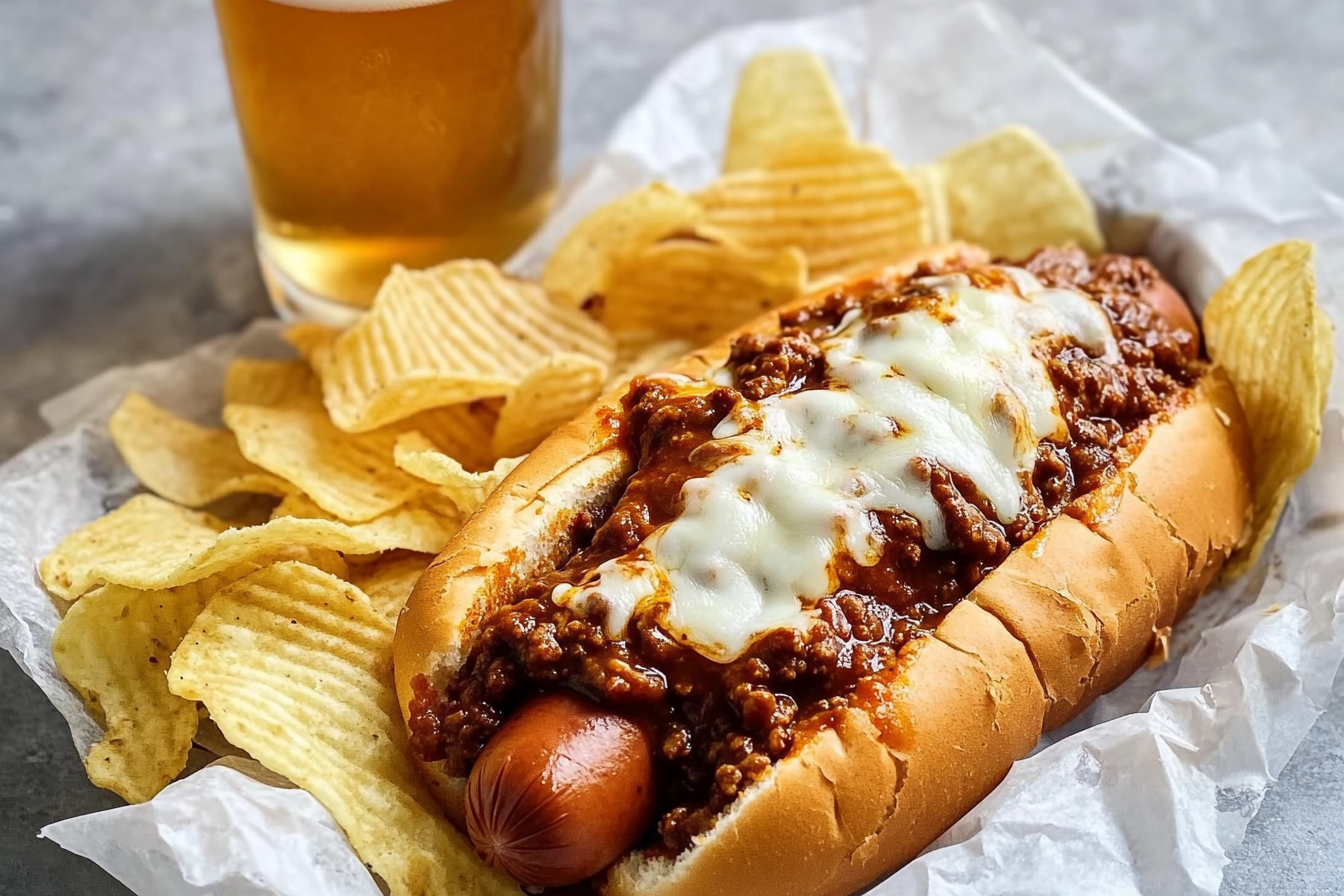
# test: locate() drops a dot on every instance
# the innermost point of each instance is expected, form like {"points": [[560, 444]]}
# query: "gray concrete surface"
{"points": [[124, 236]]}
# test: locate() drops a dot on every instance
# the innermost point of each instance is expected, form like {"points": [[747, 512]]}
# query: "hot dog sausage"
{"points": [[1172, 308], [561, 790]]}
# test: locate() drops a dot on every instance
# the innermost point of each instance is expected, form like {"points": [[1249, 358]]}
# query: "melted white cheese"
{"points": [[754, 546]]}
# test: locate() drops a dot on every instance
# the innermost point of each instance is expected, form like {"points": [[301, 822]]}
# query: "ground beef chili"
{"points": [[720, 726]]}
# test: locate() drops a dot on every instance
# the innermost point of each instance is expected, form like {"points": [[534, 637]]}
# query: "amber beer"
{"points": [[390, 131]]}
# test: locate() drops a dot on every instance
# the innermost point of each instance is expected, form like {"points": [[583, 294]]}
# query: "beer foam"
{"points": [[358, 5]]}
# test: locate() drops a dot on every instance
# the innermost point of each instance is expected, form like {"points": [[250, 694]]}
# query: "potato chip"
{"points": [[1011, 193], [783, 97], [295, 667], [389, 580], [418, 456], [462, 431], [931, 181], [424, 525], [554, 392], [313, 341], [150, 544], [182, 461], [118, 540], [644, 351], [1325, 351], [1264, 328], [451, 334], [242, 510], [849, 208], [301, 506], [113, 647], [698, 290], [352, 476], [577, 270], [272, 384]]}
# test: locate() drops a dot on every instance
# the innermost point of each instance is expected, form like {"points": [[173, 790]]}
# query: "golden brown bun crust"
{"points": [[858, 800], [1066, 618], [1069, 616]]}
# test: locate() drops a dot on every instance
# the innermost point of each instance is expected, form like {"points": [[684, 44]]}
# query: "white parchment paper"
{"points": [[221, 832], [1143, 795]]}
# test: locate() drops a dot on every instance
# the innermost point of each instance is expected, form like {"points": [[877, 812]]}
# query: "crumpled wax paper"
{"points": [[1148, 791], [221, 832]]}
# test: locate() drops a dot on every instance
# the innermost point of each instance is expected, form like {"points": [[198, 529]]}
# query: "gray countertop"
{"points": [[124, 236]]}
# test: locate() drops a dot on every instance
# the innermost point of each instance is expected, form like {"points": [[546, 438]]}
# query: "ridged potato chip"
{"points": [[182, 461], [301, 506], [1325, 350], [451, 334], [1264, 328], [352, 476], [127, 541], [388, 581], [644, 351], [295, 667], [151, 544], [424, 525], [1010, 192], [931, 181], [698, 290], [113, 647], [272, 384], [313, 342], [783, 97], [418, 456], [462, 431], [577, 270], [553, 392], [849, 208]]}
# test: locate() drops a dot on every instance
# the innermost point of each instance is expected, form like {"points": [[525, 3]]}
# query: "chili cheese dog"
{"points": [[822, 583]]}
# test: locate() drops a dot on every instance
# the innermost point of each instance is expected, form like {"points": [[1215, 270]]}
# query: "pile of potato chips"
{"points": [[258, 581], [801, 204], [335, 481]]}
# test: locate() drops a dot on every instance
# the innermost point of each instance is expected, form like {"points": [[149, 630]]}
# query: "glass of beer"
{"points": [[382, 132]]}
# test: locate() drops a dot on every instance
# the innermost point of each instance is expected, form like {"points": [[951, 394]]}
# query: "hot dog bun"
{"points": [[1067, 617]]}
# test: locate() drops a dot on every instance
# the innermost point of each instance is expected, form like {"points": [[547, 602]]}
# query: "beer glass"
{"points": [[381, 132]]}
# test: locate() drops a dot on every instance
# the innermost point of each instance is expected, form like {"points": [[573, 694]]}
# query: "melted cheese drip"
{"points": [[754, 546]]}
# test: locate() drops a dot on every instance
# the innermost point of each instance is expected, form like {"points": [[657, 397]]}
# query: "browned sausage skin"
{"points": [[1172, 308], [563, 789]]}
